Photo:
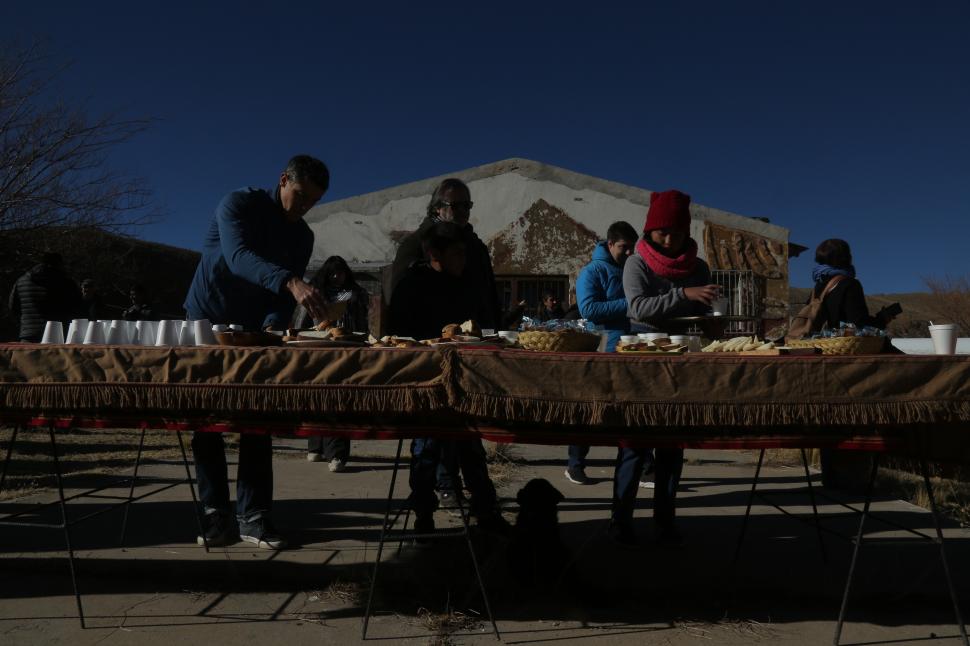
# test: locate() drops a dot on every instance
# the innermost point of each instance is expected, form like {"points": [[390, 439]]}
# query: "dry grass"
{"points": [[749, 629], [80, 453], [344, 592], [444, 624], [502, 462]]}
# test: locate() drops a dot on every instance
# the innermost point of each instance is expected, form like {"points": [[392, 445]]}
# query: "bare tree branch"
{"points": [[54, 158]]}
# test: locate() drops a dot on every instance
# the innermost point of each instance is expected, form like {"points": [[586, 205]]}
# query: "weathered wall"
{"points": [[536, 219]]}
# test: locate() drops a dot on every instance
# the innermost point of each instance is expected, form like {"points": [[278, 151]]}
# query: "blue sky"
{"points": [[834, 119]]}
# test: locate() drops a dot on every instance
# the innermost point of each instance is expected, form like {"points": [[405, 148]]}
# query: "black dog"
{"points": [[536, 554]]}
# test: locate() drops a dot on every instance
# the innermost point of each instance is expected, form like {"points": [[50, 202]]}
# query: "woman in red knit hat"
{"points": [[662, 280]]}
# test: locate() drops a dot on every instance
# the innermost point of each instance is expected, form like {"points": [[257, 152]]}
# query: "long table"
{"points": [[914, 405]]}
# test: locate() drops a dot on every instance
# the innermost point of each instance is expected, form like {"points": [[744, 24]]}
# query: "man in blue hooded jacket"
{"points": [[599, 294], [251, 273]]}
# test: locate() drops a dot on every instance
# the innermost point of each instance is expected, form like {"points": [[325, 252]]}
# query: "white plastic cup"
{"points": [[168, 332], [94, 333], [944, 338], [144, 333], [202, 332], [76, 330], [720, 306], [186, 334], [117, 333], [53, 332]]}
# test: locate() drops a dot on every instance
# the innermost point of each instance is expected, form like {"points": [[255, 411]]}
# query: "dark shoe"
{"points": [[448, 500], [218, 530], [623, 535], [261, 533], [577, 475], [423, 525]]}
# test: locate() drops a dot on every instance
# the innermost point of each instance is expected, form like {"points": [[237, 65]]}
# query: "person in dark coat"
{"points": [[550, 309], [93, 305], [451, 202], [430, 295], [140, 309], [45, 293], [336, 282], [847, 301]]}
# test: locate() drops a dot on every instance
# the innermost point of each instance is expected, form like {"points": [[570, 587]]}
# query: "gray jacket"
{"points": [[651, 299]]}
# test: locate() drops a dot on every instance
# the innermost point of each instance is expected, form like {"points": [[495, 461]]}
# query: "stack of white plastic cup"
{"points": [[145, 333], [76, 330], [117, 333], [94, 333], [53, 332], [168, 332], [202, 332]]}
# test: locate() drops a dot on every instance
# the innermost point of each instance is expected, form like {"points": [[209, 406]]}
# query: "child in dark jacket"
{"points": [[662, 280], [431, 295]]}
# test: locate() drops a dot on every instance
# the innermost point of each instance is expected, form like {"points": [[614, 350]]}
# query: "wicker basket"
{"points": [[560, 341], [842, 344]]}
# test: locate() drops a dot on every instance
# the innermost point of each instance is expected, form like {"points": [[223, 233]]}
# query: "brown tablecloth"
{"points": [[922, 403]]}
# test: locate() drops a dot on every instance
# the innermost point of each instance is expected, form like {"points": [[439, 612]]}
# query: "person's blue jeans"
{"points": [[577, 456], [469, 455], [449, 468], [254, 475], [668, 465]]}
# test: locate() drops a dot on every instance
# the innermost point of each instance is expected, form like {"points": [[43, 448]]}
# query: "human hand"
{"points": [[704, 294], [309, 297]]}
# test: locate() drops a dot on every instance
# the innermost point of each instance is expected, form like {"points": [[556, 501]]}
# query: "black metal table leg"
{"points": [[380, 543], [946, 566], [131, 490], [747, 512], [65, 524], [855, 549], [6, 460], [811, 495], [195, 501]]}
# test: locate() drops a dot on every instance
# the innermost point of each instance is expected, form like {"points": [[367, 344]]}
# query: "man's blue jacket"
{"points": [[249, 254], [599, 294]]}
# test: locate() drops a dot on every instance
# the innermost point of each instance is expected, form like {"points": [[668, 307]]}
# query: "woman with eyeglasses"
{"points": [[336, 283]]}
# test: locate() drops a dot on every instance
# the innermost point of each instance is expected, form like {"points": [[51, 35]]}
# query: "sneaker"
{"points": [[314, 457], [647, 484], [261, 533], [449, 500], [217, 529], [577, 475], [336, 465]]}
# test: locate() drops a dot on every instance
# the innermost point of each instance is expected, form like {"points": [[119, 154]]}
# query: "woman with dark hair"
{"points": [[845, 302], [336, 283]]}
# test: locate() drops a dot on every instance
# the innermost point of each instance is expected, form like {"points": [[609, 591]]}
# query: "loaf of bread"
{"points": [[451, 330]]}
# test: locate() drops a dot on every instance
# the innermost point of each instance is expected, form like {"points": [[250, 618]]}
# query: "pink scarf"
{"points": [[672, 268]]}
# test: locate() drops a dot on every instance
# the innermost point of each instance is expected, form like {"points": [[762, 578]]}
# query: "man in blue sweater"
{"points": [[251, 273]]}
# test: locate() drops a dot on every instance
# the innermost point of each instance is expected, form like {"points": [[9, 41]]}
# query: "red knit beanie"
{"points": [[668, 210]]}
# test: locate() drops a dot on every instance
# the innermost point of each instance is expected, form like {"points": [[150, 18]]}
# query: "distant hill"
{"points": [[918, 309]]}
